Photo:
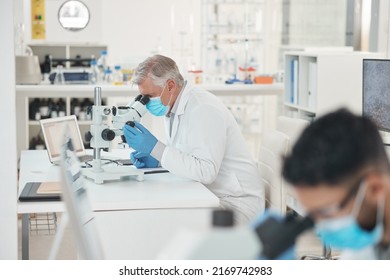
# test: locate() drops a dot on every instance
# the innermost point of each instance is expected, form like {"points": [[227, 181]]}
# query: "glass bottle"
{"points": [[118, 75], [61, 108], [75, 107], [59, 78], [108, 76], [51, 112], [95, 74], [34, 109], [44, 108], [39, 144]]}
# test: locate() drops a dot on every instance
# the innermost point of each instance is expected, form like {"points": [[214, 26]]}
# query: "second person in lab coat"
{"points": [[204, 142]]}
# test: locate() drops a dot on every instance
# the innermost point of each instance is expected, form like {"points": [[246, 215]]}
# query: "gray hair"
{"points": [[160, 69]]}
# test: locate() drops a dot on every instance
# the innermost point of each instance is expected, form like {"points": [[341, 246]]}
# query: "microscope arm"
{"points": [[277, 234], [134, 112]]}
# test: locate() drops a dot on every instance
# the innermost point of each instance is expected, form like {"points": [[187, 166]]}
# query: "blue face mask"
{"points": [[155, 106], [346, 233]]}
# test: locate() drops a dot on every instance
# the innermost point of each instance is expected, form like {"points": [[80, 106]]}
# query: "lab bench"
{"points": [[163, 201]]}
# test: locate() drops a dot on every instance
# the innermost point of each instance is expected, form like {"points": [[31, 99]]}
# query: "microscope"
{"points": [[271, 236], [132, 112], [102, 134]]}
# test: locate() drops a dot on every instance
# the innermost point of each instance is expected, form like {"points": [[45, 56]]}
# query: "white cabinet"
{"points": [[67, 51], [319, 82]]}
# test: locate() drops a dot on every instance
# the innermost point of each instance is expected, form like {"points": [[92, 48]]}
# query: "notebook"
{"points": [[41, 191], [51, 129]]}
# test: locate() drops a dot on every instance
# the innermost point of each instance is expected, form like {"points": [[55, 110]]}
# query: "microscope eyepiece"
{"points": [[145, 100]]}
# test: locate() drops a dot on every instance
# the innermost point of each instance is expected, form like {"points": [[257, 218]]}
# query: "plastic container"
{"points": [[108, 76], [103, 61], [95, 75], [118, 75], [263, 79], [196, 76]]}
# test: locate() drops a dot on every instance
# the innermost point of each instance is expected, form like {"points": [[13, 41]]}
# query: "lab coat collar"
{"points": [[185, 95], [182, 102], [177, 102]]}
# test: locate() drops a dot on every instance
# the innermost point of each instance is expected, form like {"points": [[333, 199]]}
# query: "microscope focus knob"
{"points": [[131, 123], [108, 134], [223, 218], [114, 110], [88, 136]]}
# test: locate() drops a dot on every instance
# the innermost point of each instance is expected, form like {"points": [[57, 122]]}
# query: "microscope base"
{"points": [[113, 173]]}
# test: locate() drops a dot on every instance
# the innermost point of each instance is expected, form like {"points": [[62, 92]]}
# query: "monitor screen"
{"points": [[52, 128], [376, 92]]}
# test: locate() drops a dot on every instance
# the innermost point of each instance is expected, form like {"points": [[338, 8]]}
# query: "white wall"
{"points": [[384, 27], [54, 31], [317, 23], [133, 30], [8, 164], [272, 34]]}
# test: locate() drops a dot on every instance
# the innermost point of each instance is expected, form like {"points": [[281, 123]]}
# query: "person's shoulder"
{"points": [[367, 253], [197, 90], [203, 97]]}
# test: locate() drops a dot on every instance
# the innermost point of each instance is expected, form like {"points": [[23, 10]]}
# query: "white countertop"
{"points": [[165, 203], [157, 191]]}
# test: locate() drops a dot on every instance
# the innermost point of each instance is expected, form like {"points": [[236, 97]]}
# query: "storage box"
{"points": [[263, 80]]}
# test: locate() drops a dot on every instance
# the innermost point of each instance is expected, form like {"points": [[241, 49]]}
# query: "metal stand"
{"points": [[98, 173], [112, 173], [326, 255]]}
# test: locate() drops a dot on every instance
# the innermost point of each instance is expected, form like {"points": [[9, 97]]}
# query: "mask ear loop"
{"points": [[169, 102], [359, 199], [380, 215], [162, 91], [170, 98]]}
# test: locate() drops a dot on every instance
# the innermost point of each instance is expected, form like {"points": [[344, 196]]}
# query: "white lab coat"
{"points": [[375, 252], [206, 145]]}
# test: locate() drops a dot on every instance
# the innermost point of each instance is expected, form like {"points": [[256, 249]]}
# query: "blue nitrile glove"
{"points": [[141, 160], [139, 138]]}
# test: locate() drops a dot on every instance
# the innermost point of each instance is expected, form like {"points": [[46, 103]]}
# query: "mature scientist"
{"points": [[204, 142]]}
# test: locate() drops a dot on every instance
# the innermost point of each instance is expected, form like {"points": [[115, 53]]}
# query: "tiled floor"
{"points": [[41, 243]]}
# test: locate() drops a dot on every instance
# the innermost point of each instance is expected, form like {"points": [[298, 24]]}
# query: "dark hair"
{"points": [[333, 148]]}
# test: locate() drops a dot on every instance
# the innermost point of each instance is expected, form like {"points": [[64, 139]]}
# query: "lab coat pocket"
{"points": [[233, 186]]}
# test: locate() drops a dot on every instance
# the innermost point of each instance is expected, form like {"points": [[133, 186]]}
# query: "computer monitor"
{"points": [[78, 208], [376, 92], [51, 130]]}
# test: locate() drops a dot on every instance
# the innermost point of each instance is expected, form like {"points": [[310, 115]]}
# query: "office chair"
{"points": [[293, 127], [273, 147]]}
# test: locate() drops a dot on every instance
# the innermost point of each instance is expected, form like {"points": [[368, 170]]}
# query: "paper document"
{"points": [[49, 188]]}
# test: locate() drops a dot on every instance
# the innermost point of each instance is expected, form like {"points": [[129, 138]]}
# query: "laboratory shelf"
{"points": [[112, 95]]}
